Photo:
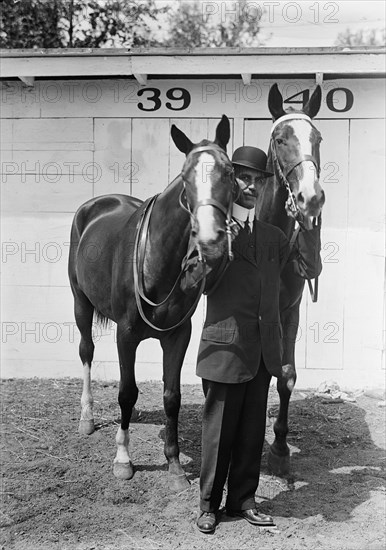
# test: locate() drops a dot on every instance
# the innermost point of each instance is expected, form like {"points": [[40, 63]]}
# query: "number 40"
{"points": [[331, 100]]}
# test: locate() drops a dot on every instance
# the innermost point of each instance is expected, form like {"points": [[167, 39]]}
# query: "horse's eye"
{"points": [[279, 141]]}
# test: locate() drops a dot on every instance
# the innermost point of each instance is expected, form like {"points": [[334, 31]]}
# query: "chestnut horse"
{"points": [[293, 194], [131, 261]]}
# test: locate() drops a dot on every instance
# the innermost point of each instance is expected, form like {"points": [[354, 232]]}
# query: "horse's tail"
{"points": [[101, 319]]}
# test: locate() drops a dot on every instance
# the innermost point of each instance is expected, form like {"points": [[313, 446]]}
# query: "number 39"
{"points": [[152, 95]]}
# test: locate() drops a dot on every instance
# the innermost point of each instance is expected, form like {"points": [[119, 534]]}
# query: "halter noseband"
{"points": [[227, 212]]}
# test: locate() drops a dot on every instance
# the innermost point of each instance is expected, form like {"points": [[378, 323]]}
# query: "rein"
{"points": [[140, 246], [291, 204], [138, 260], [313, 289]]}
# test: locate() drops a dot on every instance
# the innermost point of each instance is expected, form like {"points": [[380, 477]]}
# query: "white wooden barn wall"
{"points": [[66, 141]]}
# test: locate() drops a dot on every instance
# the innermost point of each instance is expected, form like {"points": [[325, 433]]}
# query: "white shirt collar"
{"points": [[241, 214]]}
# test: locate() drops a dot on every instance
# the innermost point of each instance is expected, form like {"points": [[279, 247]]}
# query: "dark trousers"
{"points": [[233, 433]]}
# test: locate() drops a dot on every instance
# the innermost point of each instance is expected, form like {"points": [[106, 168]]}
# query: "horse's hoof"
{"points": [[123, 470], [279, 465], [86, 427], [178, 483]]}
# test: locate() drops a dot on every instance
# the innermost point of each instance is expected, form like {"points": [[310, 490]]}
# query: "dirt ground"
{"points": [[58, 490]]}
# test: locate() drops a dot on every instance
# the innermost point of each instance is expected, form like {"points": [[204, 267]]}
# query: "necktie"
{"points": [[247, 227]]}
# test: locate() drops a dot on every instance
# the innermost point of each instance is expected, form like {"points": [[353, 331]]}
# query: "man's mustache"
{"points": [[248, 191]]}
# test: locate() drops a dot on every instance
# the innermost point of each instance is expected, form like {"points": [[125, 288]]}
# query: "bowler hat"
{"points": [[251, 157]]}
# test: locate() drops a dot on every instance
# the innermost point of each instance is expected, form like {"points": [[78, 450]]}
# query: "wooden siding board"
{"points": [[367, 172], [19, 101], [325, 319], [38, 257], [113, 151], [33, 193], [45, 161], [365, 281], [257, 133], [60, 130], [150, 156], [37, 327], [38, 211], [209, 97]]}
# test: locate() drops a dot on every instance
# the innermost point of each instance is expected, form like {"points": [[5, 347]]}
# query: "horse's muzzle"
{"points": [[313, 206], [212, 249]]}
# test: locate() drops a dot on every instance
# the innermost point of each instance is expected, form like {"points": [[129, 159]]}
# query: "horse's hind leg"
{"points": [[174, 348], [127, 398], [279, 454], [84, 315]]}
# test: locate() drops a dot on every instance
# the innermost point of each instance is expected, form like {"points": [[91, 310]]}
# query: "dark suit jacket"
{"points": [[242, 322]]}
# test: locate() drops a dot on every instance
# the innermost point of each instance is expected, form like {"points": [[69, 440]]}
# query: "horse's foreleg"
{"points": [[174, 349], [279, 455], [83, 315], [127, 397]]}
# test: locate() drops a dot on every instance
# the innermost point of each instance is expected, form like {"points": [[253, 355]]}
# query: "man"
{"points": [[240, 350]]}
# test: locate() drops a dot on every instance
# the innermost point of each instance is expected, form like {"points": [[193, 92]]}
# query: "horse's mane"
{"points": [[170, 186]]}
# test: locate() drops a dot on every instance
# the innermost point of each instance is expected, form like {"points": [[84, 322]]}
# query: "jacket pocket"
{"points": [[221, 333]]}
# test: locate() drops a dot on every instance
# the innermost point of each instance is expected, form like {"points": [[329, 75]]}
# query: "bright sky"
{"points": [[310, 24], [302, 23]]}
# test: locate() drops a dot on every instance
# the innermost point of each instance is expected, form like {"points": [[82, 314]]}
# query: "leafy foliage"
{"points": [[78, 23], [126, 23], [235, 24], [361, 37], [114, 23], [30, 24]]}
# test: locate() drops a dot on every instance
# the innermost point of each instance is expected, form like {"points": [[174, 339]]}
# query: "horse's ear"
{"points": [[275, 102], [223, 132], [182, 142], [313, 104]]}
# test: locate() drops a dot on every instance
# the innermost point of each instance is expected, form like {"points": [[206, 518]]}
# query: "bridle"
{"points": [[283, 171], [227, 212], [141, 239]]}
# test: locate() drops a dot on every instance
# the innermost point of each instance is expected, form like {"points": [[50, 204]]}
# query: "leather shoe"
{"points": [[253, 516], [206, 522]]}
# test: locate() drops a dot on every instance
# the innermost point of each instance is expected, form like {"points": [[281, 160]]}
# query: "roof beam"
{"points": [[247, 78], [92, 63], [141, 78], [28, 80]]}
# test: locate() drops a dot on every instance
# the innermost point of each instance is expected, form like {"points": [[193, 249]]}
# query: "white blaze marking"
{"points": [[302, 131], [205, 219]]}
